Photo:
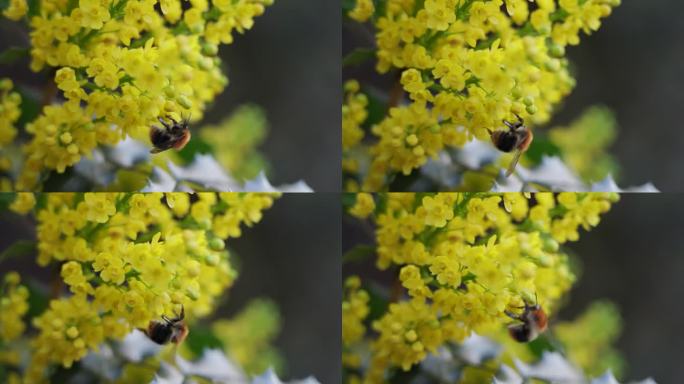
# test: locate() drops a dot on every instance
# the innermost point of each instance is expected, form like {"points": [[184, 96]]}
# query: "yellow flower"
{"points": [[466, 66], [128, 259], [354, 311], [23, 203], [363, 10], [464, 260], [121, 65], [16, 10], [13, 306], [363, 207]]}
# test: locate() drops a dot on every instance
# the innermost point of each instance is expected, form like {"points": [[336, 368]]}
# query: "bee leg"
{"points": [[164, 123], [511, 126], [512, 315], [172, 119], [180, 317]]}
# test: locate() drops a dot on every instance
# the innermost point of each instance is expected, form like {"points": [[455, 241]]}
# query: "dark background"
{"points": [[289, 64], [634, 258], [634, 64], [291, 257]]}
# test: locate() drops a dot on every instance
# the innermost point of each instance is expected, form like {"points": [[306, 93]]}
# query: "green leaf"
{"points": [[38, 298], [33, 8], [380, 204], [6, 199], [201, 338], [19, 248], [377, 303], [358, 253], [541, 145], [348, 200], [194, 146], [12, 54], [30, 106], [539, 345], [377, 110], [380, 6], [358, 56], [348, 5], [71, 5]]}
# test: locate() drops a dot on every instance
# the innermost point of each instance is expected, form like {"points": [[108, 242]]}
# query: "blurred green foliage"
{"points": [[584, 142], [248, 336], [589, 339], [233, 141]]}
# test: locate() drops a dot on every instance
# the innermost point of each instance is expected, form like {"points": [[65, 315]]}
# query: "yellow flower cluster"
{"points": [[364, 206], [467, 65], [23, 202], [13, 306], [363, 10], [354, 312], [9, 114], [122, 64], [465, 258], [353, 115], [247, 337], [130, 258], [16, 10]]}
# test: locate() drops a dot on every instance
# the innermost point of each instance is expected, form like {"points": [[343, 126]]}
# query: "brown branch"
{"points": [[50, 90], [395, 95], [56, 284], [396, 291]]}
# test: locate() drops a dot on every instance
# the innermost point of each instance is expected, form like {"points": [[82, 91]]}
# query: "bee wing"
{"points": [[514, 162]]}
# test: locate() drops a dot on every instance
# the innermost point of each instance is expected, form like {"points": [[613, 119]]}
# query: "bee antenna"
{"points": [[520, 119]]}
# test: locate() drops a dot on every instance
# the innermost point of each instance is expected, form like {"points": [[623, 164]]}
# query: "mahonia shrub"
{"points": [[465, 66], [455, 263], [115, 67], [122, 260]]}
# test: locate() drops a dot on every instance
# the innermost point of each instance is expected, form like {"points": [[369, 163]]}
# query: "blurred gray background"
{"points": [[634, 258], [634, 64], [289, 63], [291, 257]]}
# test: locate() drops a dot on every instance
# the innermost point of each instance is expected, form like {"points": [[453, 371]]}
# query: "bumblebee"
{"points": [[169, 330], [533, 321], [518, 138], [174, 135]]}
